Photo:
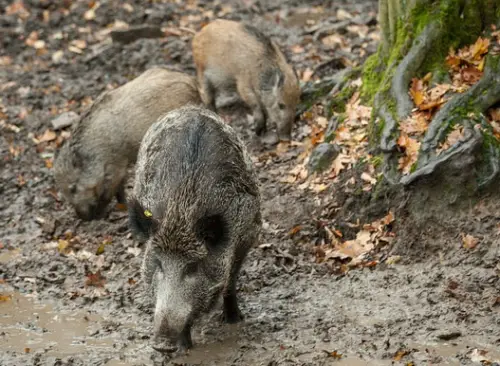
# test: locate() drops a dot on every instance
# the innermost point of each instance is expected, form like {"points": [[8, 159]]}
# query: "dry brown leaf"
{"points": [[469, 241], [480, 48], [339, 164], [411, 148], [414, 125], [438, 91], [334, 354], [368, 178], [417, 91], [5, 298], [452, 138], [400, 354], [307, 74], [79, 43], [47, 136], [95, 279], [471, 75], [431, 104], [297, 48]]}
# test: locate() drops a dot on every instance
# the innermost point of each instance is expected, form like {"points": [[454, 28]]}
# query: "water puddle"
{"points": [[28, 326], [8, 255]]}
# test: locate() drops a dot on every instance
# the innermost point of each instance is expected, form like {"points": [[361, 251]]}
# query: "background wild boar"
{"points": [[197, 202], [233, 56], [91, 167]]}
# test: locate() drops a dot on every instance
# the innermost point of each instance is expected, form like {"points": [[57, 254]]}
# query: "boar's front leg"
{"points": [[207, 91], [251, 99], [231, 311], [120, 194]]}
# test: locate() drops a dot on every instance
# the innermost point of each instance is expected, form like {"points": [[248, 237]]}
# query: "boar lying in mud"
{"points": [[234, 57], [196, 201], [91, 167]]}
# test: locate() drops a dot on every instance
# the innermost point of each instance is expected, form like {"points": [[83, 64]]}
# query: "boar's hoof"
{"points": [[231, 313], [165, 346]]}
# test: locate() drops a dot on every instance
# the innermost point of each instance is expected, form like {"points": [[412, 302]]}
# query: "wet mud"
{"points": [[71, 292]]}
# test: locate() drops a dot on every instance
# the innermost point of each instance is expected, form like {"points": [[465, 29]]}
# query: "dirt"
{"points": [[63, 304]]}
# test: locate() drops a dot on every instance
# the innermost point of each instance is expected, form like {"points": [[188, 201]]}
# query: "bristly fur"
{"points": [[195, 176], [237, 58], [105, 140], [262, 38]]}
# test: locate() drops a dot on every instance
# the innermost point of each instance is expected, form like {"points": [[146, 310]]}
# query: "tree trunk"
{"points": [[416, 38]]}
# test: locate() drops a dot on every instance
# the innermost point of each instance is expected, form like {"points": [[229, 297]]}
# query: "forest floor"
{"points": [[427, 292]]}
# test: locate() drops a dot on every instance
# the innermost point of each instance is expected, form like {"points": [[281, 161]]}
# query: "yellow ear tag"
{"points": [[148, 213]]}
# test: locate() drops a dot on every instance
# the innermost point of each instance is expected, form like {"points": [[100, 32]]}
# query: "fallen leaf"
{"points": [[294, 230], [415, 125], [62, 245], [297, 48], [79, 43], [95, 279], [416, 91], [47, 136], [368, 178], [469, 241], [334, 354], [5, 298], [478, 355], [480, 48], [453, 137], [400, 354], [307, 74], [411, 148]]}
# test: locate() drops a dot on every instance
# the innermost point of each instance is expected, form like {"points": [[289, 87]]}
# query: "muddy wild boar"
{"points": [[91, 168], [233, 57], [196, 201]]}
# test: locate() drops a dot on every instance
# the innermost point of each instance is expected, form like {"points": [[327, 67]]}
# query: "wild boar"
{"points": [[233, 57], [91, 167], [197, 203]]}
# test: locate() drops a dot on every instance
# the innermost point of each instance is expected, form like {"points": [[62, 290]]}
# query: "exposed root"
{"points": [[473, 138], [409, 66], [481, 96], [387, 141]]}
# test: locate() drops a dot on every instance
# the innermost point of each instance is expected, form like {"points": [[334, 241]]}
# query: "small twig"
{"points": [[188, 30]]}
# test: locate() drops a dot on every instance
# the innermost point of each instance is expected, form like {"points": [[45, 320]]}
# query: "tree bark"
{"points": [[416, 36]]}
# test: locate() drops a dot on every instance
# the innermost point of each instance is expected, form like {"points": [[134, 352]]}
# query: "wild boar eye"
{"points": [[191, 269], [281, 106], [158, 265], [72, 188]]}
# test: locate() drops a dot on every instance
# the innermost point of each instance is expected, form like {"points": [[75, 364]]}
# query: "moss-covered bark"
{"points": [[416, 38]]}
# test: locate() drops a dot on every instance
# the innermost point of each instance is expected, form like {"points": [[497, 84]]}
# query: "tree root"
{"points": [[478, 98], [484, 94], [472, 140], [409, 66], [406, 69]]}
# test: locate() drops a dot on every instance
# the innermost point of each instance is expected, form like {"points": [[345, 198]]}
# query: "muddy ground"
{"points": [[438, 305]]}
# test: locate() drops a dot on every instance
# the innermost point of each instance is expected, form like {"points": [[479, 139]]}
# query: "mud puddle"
{"points": [[30, 326]]}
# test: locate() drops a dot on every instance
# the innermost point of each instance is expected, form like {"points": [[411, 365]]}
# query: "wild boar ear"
{"points": [[212, 230], [272, 79], [141, 221]]}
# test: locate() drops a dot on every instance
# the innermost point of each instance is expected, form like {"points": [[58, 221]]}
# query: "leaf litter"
{"points": [[465, 68]]}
